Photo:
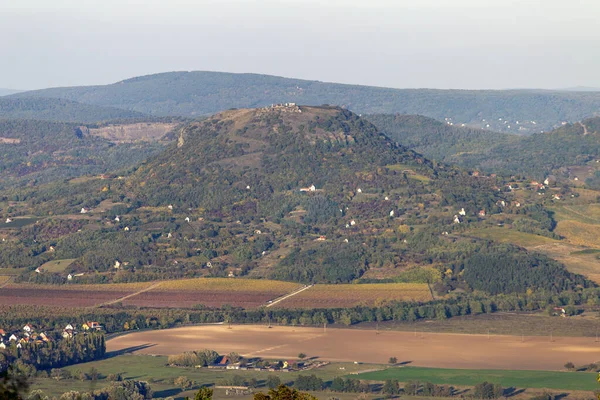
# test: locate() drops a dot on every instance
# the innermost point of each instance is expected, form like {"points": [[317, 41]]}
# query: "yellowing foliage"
{"points": [[579, 233], [349, 295], [228, 284]]}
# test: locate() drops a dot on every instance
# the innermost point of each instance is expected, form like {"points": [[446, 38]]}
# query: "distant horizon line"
{"points": [[576, 88]]}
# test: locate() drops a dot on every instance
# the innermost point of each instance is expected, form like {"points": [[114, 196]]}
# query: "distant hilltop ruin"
{"points": [[284, 107]]}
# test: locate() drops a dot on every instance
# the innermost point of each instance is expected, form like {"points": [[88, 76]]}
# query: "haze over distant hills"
{"points": [[200, 93], [5, 92], [60, 110]]}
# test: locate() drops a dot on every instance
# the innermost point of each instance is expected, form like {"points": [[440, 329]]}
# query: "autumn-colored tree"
{"points": [[283, 393]]}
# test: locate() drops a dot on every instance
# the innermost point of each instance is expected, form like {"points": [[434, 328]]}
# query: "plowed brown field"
{"points": [[347, 345]]}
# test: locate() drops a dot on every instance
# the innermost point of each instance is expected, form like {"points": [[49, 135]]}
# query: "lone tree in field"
{"points": [[203, 393], [183, 382], [393, 360], [283, 393], [302, 356], [570, 366]]}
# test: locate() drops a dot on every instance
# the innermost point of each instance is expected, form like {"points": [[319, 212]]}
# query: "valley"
{"points": [[300, 217]]}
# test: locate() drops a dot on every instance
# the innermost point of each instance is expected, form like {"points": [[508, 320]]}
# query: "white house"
{"points": [[126, 229], [187, 219], [359, 190], [12, 338], [28, 328], [386, 198], [2, 346], [311, 188], [352, 223], [392, 213], [462, 212], [169, 235], [117, 264], [456, 219], [117, 219], [38, 270], [170, 206], [8, 220], [70, 277], [83, 210]]}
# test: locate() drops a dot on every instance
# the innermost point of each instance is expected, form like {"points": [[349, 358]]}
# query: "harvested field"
{"points": [[212, 292], [110, 287], [174, 299], [332, 296], [507, 235], [227, 284], [579, 233], [347, 345], [57, 265], [247, 293], [31, 295]]}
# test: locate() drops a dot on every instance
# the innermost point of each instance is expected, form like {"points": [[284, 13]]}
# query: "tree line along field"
{"points": [[211, 292]]}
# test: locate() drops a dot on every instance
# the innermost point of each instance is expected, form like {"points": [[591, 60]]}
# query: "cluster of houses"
{"points": [[225, 362], [28, 334]]}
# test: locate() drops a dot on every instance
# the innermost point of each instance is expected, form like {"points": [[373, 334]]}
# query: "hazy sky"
{"points": [[397, 43]]}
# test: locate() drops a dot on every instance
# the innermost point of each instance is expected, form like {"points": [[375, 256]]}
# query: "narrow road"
{"points": [[287, 296], [129, 295], [8, 281]]}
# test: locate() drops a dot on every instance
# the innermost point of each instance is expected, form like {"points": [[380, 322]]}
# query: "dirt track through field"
{"points": [[347, 345], [121, 299]]}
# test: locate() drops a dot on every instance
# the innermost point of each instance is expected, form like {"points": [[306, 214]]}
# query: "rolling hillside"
{"points": [[538, 155], [60, 110], [302, 194], [437, 140], [199, 93]]}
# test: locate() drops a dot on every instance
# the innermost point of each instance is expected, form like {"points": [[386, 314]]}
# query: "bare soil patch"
{"points": [[56, 297], [346, 345]]}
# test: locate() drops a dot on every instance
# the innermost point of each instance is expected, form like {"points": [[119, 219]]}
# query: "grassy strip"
{"points": [[471, 377]]}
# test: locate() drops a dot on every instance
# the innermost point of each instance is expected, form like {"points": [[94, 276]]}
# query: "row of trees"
{"points": [[56, 354]]}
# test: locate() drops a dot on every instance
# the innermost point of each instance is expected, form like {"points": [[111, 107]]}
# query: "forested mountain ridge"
{"points": [[200, 93], [60, 110]]}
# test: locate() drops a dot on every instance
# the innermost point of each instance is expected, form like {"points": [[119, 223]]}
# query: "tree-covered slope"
{"points": [[306, 194], [60, 110], [204, 93], [542, 153], [35, 152], [269, 151], [437, 140]]}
